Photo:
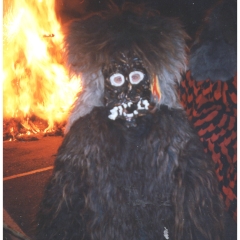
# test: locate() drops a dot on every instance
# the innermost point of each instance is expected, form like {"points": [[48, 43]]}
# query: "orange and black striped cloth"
{"points": [[212, 108]]}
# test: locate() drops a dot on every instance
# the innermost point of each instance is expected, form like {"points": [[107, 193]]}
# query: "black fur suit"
{"points": [[138, 176], [112, 182]]}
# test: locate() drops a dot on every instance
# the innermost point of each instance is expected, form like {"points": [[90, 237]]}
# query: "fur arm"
{"points": [[195, 195], [60, 215], [198, 191], [63, 213]]}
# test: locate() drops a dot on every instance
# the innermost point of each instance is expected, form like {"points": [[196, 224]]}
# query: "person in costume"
{"points": [[208, 93], [130, 166]]}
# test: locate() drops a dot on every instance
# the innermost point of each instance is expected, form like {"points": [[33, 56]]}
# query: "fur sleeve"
{"points": [[196, 197], [61, 214], [202, 203]]}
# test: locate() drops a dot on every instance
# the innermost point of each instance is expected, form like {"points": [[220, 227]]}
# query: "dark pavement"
{"points": [[26, 168]]}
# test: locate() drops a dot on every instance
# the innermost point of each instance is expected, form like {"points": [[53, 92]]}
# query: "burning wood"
{"points": [[35, 83], [30, 129]]}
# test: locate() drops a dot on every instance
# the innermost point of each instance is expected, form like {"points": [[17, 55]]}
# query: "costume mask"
{"points": [[127, 90]]}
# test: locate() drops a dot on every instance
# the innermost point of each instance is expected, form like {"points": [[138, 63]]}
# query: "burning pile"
{"points": [[37, 91]]}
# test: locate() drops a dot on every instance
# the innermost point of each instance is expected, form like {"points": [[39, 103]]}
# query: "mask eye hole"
{"points": [[136, 77], [117, 79]]}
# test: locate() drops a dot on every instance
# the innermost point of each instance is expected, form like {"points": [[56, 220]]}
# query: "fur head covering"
{"points": [[214, 53], [92, 42]]}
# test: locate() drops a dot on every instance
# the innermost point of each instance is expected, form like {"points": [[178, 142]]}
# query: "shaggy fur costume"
{"points": [[148, 182], [112, 182]]}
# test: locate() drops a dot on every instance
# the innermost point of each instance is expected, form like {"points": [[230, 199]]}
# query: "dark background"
{"points": [[190, 12]]}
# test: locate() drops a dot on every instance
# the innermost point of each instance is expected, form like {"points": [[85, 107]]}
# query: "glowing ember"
{"points": [[35, 82]]}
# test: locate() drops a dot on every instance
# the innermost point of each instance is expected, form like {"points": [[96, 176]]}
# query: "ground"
{"points": [[27, 166]]}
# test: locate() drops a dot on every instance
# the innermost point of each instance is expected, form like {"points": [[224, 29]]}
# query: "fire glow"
{"points": [[35, 81]]}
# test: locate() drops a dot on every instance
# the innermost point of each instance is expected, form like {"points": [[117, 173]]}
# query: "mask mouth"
{"points": [[129, 110]]}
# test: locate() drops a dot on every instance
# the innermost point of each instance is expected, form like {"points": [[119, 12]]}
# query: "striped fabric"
{"points": [[212, 108]]}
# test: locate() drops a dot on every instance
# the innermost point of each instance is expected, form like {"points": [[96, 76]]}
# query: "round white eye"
{"points": [[117, 79], [136, 77]]}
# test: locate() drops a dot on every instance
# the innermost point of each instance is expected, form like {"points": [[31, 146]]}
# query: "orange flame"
{"points": [[35, 81], [156, 90]]}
